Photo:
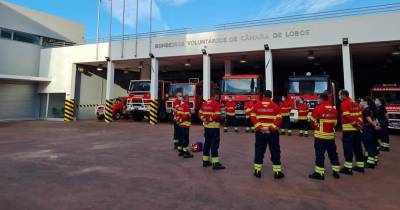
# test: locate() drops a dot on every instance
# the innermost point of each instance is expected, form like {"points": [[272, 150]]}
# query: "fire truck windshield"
{"points": [[391, 97], [185, 89], [139, 86], [308, 87], [240, 86]]}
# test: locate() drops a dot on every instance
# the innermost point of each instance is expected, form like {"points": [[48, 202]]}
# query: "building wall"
{"points": [[19, 58], [30, 21], [57, 62]]}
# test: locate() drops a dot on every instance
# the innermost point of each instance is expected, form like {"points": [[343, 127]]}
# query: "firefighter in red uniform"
{"points": [[323, 120], [230, 109], [351, 125], [210, 115], [303, 110], [286, 107], [248, 106], [266, 118], [175, 105], [184, 122]]}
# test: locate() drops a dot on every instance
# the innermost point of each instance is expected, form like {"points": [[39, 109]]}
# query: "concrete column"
{"points": [[110, 80], [206, 77], [154, 79], [269, 73], [228, 67], [145, 73], [348, 70], [71, 93]]}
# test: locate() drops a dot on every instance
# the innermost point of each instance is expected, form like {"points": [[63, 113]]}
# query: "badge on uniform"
{"points": [[197, 147]]}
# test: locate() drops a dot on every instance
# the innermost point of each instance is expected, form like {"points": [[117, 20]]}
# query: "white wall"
{"points": [[19, 58], [57, 63], [26, 20]]}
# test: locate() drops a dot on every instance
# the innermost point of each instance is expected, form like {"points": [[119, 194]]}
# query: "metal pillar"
{"points": [[206, 76], [348, 70], [269, 73]]}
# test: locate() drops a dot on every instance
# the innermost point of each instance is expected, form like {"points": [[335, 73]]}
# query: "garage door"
{"points": [[17, 100]]}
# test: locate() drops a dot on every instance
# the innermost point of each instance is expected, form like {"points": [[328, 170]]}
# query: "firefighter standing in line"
{"points": [[370, 128], [286, 107], [323, 120], [184, 122], [383, 119], [175, 105], [210, 115], [248, 106], [230, 109], [303, 117], [351, 139], [266, 118]]}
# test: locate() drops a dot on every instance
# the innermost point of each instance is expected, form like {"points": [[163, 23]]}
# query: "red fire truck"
{"points": [[193, 89], [391, 95], [138, 102], [240, 87], [309, 87]]}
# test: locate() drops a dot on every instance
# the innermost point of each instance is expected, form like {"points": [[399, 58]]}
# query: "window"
{"points": [[6, 34], [29, 38]]}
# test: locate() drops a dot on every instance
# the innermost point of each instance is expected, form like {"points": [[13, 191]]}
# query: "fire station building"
{"points": [[357, 48]]}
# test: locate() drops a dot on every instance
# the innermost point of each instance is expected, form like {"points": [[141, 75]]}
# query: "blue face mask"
{"points": [[363, 104]]}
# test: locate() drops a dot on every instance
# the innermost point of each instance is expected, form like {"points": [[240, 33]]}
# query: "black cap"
{"points": [[268, 93], [324, 96]]}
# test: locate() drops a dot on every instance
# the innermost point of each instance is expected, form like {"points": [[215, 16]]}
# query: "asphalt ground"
{"points": [[131, 165]]}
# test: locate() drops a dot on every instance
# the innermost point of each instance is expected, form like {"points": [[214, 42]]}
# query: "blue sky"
{"points": [[173, 14]]}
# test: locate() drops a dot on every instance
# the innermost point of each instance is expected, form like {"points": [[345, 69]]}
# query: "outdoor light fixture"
{"points": [[81, 69], [107, 59], [310, 55], [243, 60], [345, 41], [151, 55], [99, 68], [308, 74], [396, 51], [203, 51], [266, 47], [187, 64]]}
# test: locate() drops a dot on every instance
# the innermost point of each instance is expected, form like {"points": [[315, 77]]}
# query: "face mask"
{"points": [[230, 99], [180, 98], [377, 103], [363, 104]]}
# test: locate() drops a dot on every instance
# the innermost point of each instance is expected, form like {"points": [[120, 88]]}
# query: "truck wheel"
{"points": [[118, 115]]}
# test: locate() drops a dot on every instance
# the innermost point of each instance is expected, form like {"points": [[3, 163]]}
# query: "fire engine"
{"points": [[309, 87], [118, 112], [391, 95], [138, 102], [240, 87], [193, 89]]}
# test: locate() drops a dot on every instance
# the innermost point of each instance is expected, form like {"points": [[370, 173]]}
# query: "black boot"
{"points": [[180, 153], [187, 155], [300, 134], [225, 129], [358, 169], [206, 163], [384, 149], [257, 174], [218, 166], [278, 175], [336, 175], [306, 135], [316, 176], [368, 165], [346, 171]]}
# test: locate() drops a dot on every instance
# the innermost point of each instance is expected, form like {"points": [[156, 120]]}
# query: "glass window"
{"points": [[185, 89], [139, 86], [391, 97], [6, 34], [308, 87], [56, 105], [29, 38], [240, 86]]}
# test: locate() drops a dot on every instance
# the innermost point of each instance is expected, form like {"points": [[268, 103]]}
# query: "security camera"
{"points": [[107, 59]]}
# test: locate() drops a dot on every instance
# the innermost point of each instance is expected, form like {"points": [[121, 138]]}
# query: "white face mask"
{"points": [[229, 99], [378, 103], [180, 98]]}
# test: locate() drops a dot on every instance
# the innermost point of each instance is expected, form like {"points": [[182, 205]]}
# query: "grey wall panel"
{"points": [[17, 100], [18, 58]]}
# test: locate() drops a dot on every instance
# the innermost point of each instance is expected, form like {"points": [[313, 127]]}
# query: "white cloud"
{"points": [[130, 12], [286, 7]]}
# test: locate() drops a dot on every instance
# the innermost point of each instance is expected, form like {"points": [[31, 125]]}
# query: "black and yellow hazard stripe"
{"points": [[108, 114], [69, 110], [86, 105], [153, 112]]}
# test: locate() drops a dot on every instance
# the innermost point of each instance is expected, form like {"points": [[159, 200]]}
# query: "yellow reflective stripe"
{"points": [[257, 124], [335, 168], [276, 168], [186, 123], [258, 167], [215, 159], [345, 113], [360, 164], [265, 103], [348, 164], [213, 124], [253, 114], [327, 121], [206, 158], [266, 117]]}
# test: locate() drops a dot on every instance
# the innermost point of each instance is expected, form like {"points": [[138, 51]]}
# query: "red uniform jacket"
{"points": [[286, 107], [230, 107], [175, 105], [248, 106], [324, 119], [183, 115], [303, 111], [266, 114], [210, 114], [351, 113]]}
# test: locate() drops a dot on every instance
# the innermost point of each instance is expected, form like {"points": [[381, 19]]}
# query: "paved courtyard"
{"points": [[130, 165]]}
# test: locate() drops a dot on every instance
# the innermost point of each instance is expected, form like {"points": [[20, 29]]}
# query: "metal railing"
{"points": [[376, 9]]}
